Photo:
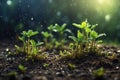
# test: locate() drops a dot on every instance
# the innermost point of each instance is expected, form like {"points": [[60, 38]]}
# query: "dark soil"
{"points": [[58, 69]]}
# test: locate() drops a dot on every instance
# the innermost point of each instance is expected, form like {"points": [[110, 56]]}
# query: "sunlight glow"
{"points": [[106, 8], [9, 2], [100, 1], [106, 2], [107, 17]]}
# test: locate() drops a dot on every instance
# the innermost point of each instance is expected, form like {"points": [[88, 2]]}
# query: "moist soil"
{"points": [[54, 69]]}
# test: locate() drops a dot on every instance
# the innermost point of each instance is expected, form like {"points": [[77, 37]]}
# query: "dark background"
{"points": [[19, 15]]}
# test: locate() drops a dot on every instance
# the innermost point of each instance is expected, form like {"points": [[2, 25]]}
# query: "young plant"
{"points": [[65, 54], [22, 68], [99, 72], [34, 47], [47, 37], [30, 46], [53, 41], [45, 65], [71, 66], [61, 31], [86, 39]]}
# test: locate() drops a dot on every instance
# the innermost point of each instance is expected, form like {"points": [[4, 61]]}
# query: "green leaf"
{"points": [[102, 34], [62, 28], [56, 28], [77, 25], [45, 65], [94, 26], [51, 27], [33, 43], [79, 34], [17, 47], [73, 38], [39, 43], [45, 34], [99, 72], [99, 41], [22, 68], [71, 45], [68, 30], [71, 66], [32, 33], [24, 33], [29, 33], [84, 24], [93, 34], [87, 30], [21, 38]]}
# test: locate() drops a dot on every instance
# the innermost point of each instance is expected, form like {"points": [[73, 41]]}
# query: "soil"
{"points": [[58, 69]]}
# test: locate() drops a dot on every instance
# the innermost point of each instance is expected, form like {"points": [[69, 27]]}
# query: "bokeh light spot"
{"points": [[58, 13], [107, 17], [32, 18], [9, 2]]}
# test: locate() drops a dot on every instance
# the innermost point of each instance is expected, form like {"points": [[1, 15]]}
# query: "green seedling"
{"points": [[26, 39], [45, 65], [51, 41], [22, 68], [71, 66], [30, 46], [34, 47], [86, 39], [47, 38], [65, 54], [12, 73], [99, 72], [61, 30]]}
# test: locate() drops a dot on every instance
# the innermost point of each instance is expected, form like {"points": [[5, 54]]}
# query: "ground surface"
{"points": [[58, 69]]}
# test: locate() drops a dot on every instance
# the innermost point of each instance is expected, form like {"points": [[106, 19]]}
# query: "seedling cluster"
{"points": [[30, 46], [86, 40], [55, 36], [83, 43]]}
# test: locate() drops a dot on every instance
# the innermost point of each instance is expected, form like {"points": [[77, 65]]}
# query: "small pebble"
{"points": [[116, 67], [59, 74], [118, 51], [116, 78]]}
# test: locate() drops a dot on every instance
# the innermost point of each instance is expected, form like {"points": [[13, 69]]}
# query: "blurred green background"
{"points": [[19, 15]]}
